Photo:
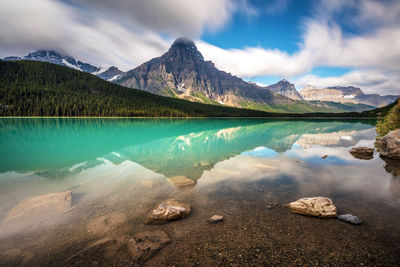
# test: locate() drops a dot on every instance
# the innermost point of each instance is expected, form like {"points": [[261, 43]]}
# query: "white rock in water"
{"points": [[216, 219], [169, 210], [349, 218], [314, 206]]}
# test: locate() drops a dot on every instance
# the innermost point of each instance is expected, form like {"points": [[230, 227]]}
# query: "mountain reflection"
{"points": [[172, 147]]}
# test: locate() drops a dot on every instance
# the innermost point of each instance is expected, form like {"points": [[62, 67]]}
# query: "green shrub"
{"points": [[389, 122]]}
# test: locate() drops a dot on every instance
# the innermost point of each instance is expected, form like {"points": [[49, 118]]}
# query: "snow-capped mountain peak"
{"points": [[54, 57]]}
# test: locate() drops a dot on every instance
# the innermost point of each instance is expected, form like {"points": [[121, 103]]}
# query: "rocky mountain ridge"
{"points": [[345, 94], [285, 88], [182, 72], [54, 57]]}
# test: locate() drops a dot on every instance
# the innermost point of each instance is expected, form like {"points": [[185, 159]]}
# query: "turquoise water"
{"points": [[108, 164]]}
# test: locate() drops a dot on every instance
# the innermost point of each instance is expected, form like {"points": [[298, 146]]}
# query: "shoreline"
{"points": [[111, 117]]}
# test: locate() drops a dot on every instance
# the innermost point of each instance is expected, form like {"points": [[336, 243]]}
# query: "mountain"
{"points": [[31, 88], [111, 74], [347, 94], [285, 88], [183, 73], [57, 58]]}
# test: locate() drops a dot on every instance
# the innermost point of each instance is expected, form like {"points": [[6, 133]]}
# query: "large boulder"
{"points": [[389, 145], [144, 245], [362, 152], [37, 212], [167, 211], [314, 206]]}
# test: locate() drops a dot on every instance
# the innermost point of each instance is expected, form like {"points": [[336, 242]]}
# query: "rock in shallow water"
{"points": [[314, 206], [169, 210], [216, 219], [181, 181], [144, 245], [37, 212], [349, 218], [389, 145], [362, 152]]}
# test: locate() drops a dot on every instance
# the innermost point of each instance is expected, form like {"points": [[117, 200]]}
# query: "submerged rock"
{"points": [[362, 152], [106, 248], [389, 145], [314, 206], [15, 256], [169, 210], [144, 245], [181, 181], [37, 212], [216, 219], [349, 218], [105, 224]]}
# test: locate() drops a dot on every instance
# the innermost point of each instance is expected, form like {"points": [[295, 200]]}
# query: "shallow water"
{"points": [[120, 169]]}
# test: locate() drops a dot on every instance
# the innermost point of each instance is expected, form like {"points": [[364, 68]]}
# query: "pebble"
{"points": [[349, 218], [216, 219]]}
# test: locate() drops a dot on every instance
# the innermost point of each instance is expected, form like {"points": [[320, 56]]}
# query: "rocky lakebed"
{"points": [[333, 205]]}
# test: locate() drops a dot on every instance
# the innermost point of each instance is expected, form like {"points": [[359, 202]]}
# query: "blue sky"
{"points": [[322, 43]]}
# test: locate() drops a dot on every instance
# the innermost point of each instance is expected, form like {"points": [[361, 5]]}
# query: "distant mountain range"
{"points": [[183, 73], [347, 94], [51, 56]]}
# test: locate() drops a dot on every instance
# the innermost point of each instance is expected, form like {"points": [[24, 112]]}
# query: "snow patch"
{"points": [[66, 63], [100, 71], [113, 78], [349, 96]]}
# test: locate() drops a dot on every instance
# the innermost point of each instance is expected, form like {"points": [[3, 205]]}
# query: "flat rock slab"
{"points": [[216, 219], [104, 224], [349, 218], [103, 248], [36, 212], [181, 181], [314, 206], [389, 145], [143, 246], [365, 153], [167, 211]]}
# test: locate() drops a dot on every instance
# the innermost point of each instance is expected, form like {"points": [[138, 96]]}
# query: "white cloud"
{"points": [[127, 33], [376, 48], [122, 33], [175, 17], [28, 25], [323, 45]]}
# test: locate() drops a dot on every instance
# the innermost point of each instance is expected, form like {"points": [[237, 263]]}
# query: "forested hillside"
{"points": [[29, 88]]}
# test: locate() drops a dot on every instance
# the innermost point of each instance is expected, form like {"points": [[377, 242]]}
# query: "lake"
{"points": [[246, 170]]}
